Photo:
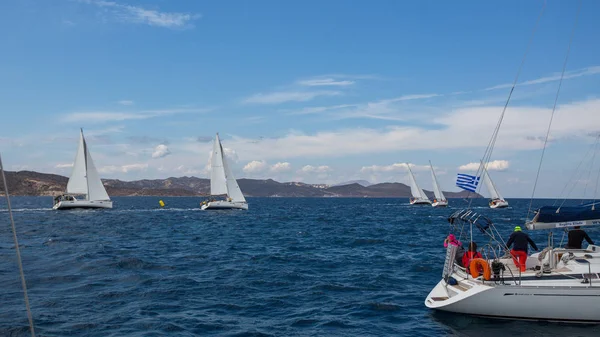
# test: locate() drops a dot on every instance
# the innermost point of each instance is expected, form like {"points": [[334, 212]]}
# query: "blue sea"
{"points": [[286, 267]]}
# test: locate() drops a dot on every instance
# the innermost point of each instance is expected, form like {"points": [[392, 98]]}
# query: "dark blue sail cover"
{"points": [[567, 216]]}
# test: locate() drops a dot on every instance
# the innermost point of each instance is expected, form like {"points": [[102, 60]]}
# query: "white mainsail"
{"points": [[222, 180], [218, 182], [84, 177], [490, 186], [415, 190], [78, 180], [436, 187]]}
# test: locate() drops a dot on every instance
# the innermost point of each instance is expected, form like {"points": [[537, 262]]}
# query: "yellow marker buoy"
{"points": [[161, 203]]}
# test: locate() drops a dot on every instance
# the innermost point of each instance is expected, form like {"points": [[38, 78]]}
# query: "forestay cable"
{"points": [[14, 231], [562, 75], [490, 147]]}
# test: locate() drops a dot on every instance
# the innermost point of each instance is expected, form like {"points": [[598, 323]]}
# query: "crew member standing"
{"points": [[520, 242]]}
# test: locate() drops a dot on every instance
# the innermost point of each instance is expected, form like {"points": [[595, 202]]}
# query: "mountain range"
{"points": [[43, 184]]}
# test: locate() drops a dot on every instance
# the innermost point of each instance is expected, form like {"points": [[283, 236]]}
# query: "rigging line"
{"points": [[14, 230], [597, 178], [562, 75], [489, 149], [574, 173], [587, 181]]}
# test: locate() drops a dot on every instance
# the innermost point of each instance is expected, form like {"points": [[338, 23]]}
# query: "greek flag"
{"points": [[467, 182]]}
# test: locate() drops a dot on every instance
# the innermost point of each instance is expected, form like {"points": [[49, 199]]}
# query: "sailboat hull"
{"points": [[68, 204], [441, 203], [498, 203], [224, 204], [546, 303], [420, 202]]}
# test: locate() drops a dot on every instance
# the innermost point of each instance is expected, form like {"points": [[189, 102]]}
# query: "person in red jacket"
{"points": [[470, 254]]}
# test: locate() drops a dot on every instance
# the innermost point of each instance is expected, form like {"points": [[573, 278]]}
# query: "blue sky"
{"points": [[313, 91]]}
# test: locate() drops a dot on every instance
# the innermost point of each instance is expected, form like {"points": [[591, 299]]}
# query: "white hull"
{"points": [[561, 294], [549, 303], [224, 204], [498, 203], [420, 202], [66, 204], [441, 203]]}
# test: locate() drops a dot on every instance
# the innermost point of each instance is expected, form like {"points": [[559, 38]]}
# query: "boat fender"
{"points": [[452, 281], [474, 268]]}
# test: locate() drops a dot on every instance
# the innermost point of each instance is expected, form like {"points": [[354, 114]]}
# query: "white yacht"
{"points": [[496, 200], [440, 200], [559, 284], [84, 189], [418, 196], [222, 182]]}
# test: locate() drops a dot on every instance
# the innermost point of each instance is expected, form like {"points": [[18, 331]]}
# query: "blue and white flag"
{"points": [[467, 182]]}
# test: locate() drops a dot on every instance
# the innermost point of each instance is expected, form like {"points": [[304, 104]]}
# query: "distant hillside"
{"points": [[360, 182], [34, 183]]}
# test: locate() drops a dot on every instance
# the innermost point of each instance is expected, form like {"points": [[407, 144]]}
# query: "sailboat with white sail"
{"points": [[556, 284], [84, 189], [440, 200], [418, 196], [222, 182], [496, 200]]}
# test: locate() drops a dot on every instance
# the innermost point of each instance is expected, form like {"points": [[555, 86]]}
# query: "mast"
{"points": [[87, 181]]}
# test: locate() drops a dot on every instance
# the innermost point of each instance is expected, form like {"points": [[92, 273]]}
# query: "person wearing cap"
{"points": [[576, 236], [520, 242]]}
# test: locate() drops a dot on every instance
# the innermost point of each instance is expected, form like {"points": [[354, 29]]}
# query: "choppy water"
{"points": [[286, 267]]}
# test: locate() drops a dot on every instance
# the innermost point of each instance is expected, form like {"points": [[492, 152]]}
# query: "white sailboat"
{"points": [[496, 200], [440, 200], [556, 284], [222, 182], [418, 196], [84, 189]]}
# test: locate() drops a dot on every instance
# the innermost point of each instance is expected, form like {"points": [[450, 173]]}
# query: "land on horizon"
{"points": [[30, 183]]}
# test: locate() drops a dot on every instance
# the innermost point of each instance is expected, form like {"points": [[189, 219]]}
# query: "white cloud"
{"points": [[161, 151], [318, 109], [135, 14], [288, 96], [255, 166], [125, 102], [281, 167], [110, 116], [60, 166], [495, 165], [393, 168], [123, 168], [315, 169], [568, 75], [463, 128], [189, 171], [325, 82]]}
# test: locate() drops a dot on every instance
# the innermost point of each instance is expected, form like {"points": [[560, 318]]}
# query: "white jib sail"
{"points": [[436, 187], [415, 190], [96, 190], [218, 184], [490, 186], [233, 190], [78, 181]]}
